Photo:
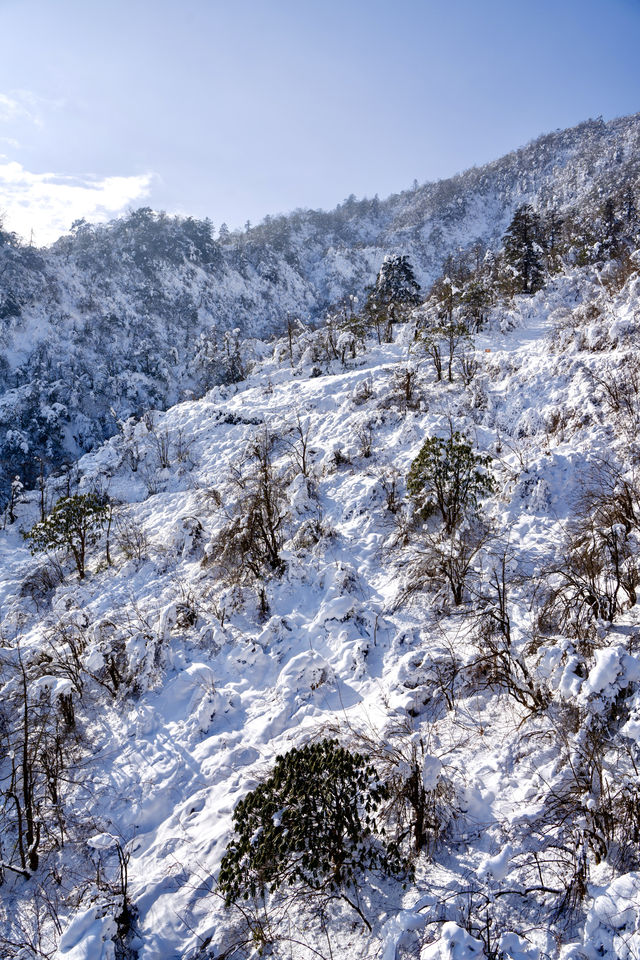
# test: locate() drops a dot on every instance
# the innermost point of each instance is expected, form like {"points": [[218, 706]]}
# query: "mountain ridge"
{"points": [[140, 312]]}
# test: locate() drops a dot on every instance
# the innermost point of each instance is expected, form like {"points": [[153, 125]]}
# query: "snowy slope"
{"points": [[113, 319], [216, 680]]}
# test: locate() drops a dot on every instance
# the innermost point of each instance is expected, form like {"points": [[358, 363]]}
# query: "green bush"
{"points": [[74, 524], [311, 824], [449, 478]]}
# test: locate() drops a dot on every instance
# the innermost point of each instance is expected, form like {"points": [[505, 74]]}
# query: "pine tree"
{"points": [[395, 294], [74, 524], [449, 478], [311, 825], [552, 226], [610, 230], [524, 251], [629, 206]]}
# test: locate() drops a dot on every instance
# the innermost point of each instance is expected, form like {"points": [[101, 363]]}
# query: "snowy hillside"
{"points": [[495, 662], [141, 312]]}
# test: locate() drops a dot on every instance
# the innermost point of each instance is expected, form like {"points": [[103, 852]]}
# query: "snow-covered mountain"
{"points": [[185, 675], [112, 320], [288, 558]]}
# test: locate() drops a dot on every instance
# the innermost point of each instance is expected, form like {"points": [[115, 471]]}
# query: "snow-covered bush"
{"points": [[449, 478], [42, 580], [312, 824], [421, 802], [249, 545], [131, 539], [442, 560], [596, 579], [619, 389]]}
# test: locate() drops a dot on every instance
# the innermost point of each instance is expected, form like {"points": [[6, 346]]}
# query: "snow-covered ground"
{"points": [[217, 680], [143, 312]]}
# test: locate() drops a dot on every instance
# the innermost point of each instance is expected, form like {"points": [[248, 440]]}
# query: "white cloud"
{"points": [[48, 203], [10, 108], [24, 105]]}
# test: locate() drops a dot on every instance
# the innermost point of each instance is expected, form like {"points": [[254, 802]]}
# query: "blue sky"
{"points": [[233, 110]]}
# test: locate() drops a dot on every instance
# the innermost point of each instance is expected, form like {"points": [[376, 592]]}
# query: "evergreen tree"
{"points": [[552, 226], [524, 251], [395, 294], [629, 206], [449, 478], [610, 231], [476, 301], [311, 824], [74, 524]]}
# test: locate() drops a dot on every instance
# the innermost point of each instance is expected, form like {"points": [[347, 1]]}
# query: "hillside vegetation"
{"points": [[150, 309], [340, 657]]}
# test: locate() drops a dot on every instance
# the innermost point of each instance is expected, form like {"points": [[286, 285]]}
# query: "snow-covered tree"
{"points": [[524, 251], [73, 525], [449, 478], [395, 294], [312, 825]]}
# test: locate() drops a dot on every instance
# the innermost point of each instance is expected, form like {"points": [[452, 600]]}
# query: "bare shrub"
{"points": [[340, 459], [131, 454], [469, 366], [365, 437], [41, 582], [182, 447], [61, 656], [187, 606], [591, 810], [620, 390], [422, 803], [389, 478], [249, 545], [444, 342], [125, 913], [162, 445], [33, 931], [312, 531], [111, 866], [168, 448], [599, 572], [326, 346], [404, 383], [151, 480], [114, 672], [596, 579], [298, 444], [131, 539], [444, 560], [497, 665], [37, 747], [557, 421], [583, 327], [363, 391], [618, 271]]}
